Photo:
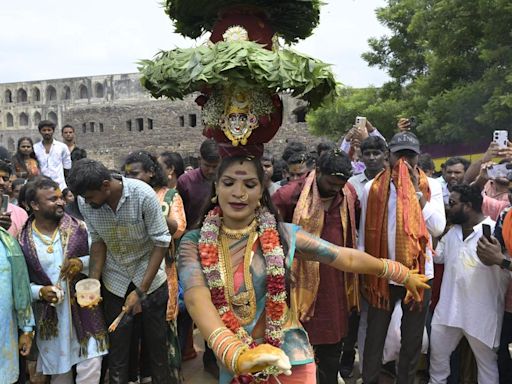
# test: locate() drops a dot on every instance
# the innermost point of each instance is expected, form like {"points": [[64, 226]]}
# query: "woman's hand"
{"points": [[262, 357], [415, 282]]}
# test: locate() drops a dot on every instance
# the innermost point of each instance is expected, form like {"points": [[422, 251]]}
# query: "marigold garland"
{"points": [[275, 305]]}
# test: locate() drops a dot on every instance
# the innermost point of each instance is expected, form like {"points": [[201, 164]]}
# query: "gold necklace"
{"points": [[49, 244], [237, 234], [243, 303]]}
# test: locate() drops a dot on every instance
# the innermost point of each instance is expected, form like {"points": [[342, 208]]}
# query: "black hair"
{"points": [[87, 175], [324, 146], [298, 158], [209, 150], [374, 142], [293, 147], [66, 191], [18, 157], [267, 156], [4, 166], [67, 126], [45, 123], [426, 163], [225, 163], [21, 198], [149, 164], [78, 153], [458, 160], [174, 160], [470, 194], [279, 166], [335, 163], [18, 181], [37, 183]]}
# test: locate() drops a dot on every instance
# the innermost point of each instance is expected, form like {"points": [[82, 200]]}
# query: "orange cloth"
{"points": [[309, 214], [507, 231], [412, 236], [175, 211]]}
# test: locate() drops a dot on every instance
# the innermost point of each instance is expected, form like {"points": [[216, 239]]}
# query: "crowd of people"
{"points": [[328, 253]]}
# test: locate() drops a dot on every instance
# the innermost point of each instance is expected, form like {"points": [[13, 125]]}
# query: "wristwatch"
{"points": [[505, 264]]}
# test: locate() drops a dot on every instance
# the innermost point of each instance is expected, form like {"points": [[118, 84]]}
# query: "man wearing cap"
{"points": [[324, 204], [401, 210]]}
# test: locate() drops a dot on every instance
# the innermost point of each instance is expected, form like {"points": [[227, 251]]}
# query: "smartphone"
{"points": [[413, 122], [5, 201], [486, 228], [500, 137], [360, 122], [500, 171]]}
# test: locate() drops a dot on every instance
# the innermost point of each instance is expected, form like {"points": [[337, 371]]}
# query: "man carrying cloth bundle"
{"points": [[401, 210]]}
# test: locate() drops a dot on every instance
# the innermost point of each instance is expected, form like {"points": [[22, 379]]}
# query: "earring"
{"points": [[214, 199], [259, 204]]}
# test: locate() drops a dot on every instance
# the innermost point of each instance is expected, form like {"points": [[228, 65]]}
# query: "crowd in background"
{"points": [[458, 333]]}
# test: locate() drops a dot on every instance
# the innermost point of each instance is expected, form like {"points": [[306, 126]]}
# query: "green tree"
{"points": [[450, 63]]}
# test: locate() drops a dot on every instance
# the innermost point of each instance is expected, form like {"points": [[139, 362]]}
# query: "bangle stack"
{"points": [[395, 271], [227, 347]]}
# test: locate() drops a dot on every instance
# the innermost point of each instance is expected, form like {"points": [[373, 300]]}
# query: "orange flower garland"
{"points": [[275, 307]]}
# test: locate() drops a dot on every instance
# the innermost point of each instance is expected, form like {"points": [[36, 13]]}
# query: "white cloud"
{"points": [[64, 38]]}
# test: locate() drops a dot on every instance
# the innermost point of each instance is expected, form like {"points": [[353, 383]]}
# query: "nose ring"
{"points": [[244, 197]]}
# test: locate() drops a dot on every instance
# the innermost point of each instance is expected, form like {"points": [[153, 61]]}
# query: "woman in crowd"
{"points": [[145, 167], [236, 273], [172, 166], [15, 308], [25, 161]]}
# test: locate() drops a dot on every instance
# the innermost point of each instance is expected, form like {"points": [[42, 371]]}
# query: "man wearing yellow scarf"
{"points": [[401, 210], [326, 205]]}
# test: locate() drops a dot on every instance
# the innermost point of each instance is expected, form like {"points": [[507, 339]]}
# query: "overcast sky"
{"points": [[48, 39]]}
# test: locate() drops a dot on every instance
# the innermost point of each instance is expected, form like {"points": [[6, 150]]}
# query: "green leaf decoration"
{"points": [[176, 73], [291, 19]]}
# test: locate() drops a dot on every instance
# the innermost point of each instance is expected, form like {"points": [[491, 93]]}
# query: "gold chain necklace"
{"points": [[243, 303], [237, 234], [49, 244]]}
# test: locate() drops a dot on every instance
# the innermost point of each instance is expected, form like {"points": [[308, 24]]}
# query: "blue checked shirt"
{"points": [[130, 234]]}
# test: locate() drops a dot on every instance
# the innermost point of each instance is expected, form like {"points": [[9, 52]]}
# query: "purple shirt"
{"points": [[195, 190]]}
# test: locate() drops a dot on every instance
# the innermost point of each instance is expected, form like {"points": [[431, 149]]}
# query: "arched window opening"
{"points": [[21, 96], [99, 90], [9, 120], [51, 93], [66, 93], [83, 92], [52, 116], [23, 119], [8, 96], [37, 118], [36, 94]]}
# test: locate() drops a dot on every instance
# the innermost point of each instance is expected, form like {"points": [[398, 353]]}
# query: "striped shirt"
{"points": [[130, 234]]}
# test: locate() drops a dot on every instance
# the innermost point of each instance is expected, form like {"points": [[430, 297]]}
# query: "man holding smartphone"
{"points": [[469, 289]]}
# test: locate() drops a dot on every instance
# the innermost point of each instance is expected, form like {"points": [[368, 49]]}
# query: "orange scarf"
{"points": [[412, 236], [309, 214], [506, 231]]}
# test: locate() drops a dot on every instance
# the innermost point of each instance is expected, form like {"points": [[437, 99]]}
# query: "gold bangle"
{"points": [[225, 352], [219, 347], [215, 334]]}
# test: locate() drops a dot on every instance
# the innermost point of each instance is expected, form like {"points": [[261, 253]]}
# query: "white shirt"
{"points": [[433, 214], [472, 294], [54, 163], [444, 186], [358, 182]]}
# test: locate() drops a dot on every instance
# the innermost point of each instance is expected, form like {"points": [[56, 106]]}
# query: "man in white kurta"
{"points": [[472, 295], [58, 353]]}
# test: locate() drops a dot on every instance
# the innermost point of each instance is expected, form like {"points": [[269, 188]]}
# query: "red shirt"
{"points": [[329, 323]]}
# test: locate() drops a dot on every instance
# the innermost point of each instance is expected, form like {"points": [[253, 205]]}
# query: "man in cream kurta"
{"points": [[471, 303]]}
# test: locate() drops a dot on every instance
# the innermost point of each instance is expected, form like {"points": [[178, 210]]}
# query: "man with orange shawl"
{"points": [[401, 210], [325, 205]]}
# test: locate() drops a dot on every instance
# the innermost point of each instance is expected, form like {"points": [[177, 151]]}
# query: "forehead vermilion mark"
{"points": [[240, 173]]}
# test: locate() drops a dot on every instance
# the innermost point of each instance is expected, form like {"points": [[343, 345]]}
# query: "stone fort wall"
{"points": [[113, 115]]}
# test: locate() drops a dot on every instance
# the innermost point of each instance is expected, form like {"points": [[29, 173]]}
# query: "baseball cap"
{"points": [[404, 140]]}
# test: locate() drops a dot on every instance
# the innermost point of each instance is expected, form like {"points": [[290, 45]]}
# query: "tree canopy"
{"points": [[450, 63]]}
